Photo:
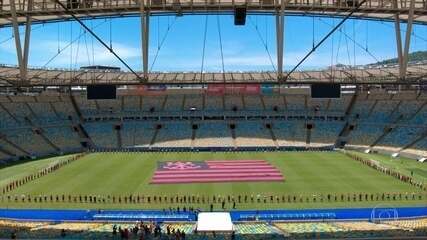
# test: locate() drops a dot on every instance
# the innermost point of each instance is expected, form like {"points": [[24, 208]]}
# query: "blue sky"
{"points": [[244, 47]]}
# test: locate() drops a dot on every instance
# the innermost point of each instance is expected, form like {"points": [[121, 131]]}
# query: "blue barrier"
{"points": [[155, 215], [340, 213], [143, 216], [284, 216], [47, 214], [90, 215]]}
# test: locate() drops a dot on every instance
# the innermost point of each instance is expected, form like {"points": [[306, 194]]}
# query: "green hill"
{"points": [[415, 56]]}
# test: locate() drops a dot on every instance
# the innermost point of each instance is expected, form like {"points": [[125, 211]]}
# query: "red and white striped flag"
{"points": [[215, 171]]}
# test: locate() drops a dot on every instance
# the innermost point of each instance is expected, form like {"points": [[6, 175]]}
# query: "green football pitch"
{"points": [[307, 176]]}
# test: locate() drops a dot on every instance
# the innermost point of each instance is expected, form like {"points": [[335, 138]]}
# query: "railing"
{"points": [[46, 5]]}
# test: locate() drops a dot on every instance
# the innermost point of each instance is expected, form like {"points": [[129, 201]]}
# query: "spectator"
{"points": [[114, 230], [63, 233]]}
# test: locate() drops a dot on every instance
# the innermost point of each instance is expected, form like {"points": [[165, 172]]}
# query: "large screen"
{"points": [[101, 92], [325, 90]]}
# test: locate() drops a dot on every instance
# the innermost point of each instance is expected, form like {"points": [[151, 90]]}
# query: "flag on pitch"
{"points": [[215, 171]]}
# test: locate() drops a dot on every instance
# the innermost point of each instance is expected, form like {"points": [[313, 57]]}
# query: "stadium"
{"points": [[219, 119]]}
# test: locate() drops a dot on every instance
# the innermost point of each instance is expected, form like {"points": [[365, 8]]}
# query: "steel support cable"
{"points": [[98, 39], [338, 51], [367, 35], [347, 47], [158, 32], [266, 29], [11, 37], [332, 50], [204, 48], [403, 31], [78, 50], [71, 47], [312, 32], [263, 43], [87, 49], [339, 46], [92, 48], [111, 33], [353, 10], [348, 52], [220, 44], [57, 37], [68, 45], [160, 44], [355, 43]]}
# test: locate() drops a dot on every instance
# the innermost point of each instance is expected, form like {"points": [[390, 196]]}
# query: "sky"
{"points": [[177, 43]]}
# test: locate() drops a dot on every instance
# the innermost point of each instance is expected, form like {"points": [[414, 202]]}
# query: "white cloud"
{"points": [[47, 49], [235, 57]]}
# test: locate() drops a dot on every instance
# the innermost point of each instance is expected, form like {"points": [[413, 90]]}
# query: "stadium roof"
{"points": [[46, 11], [9, 76], [14, 13]]}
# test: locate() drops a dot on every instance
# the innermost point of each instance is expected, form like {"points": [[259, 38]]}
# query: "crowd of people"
{"points": [[143, 230], [17, 183], [188, 203], [375, 165]]}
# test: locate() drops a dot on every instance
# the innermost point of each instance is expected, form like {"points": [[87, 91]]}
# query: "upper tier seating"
{"points": [[136, 133], [402, 136], [174, 134], [63, 137], [271, 102], [29, 141], [326, 131], [6, 120], [365, 134], [296, 103], [214, 103], [102, 134], [132, 103], [174, 103], [193, 101], [213, 134], [290, 133], [252, 134]]}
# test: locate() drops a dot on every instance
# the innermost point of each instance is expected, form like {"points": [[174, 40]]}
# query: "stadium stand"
{"points": [[214, 134], [365, 134], [64, 109], [174, 103], [132, 103], [193, 101], [296, 103], [6, 120], [102, 134], [253, 103], [214, 103], [233, 103], [252, 134], [325, 132], [339, 105], [272, 102], [64, 137], [174, 134], [402, 136], [290, 133], [31, 142], [152, 103], [44, 124], [136, 133]]}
